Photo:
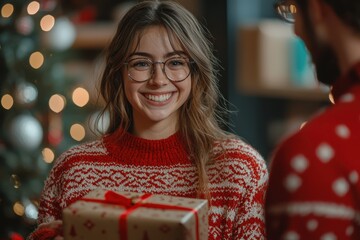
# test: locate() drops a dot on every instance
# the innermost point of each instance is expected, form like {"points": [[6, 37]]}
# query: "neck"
{"points": [[153, 130]]}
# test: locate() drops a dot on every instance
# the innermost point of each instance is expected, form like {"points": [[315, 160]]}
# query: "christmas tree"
{"points": [[44, 111]]}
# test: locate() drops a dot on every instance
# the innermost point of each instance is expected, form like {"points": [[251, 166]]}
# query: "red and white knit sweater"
{"points": [[237, 179]]}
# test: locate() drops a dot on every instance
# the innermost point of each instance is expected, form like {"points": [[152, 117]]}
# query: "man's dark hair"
{"points": [[347, 10]]}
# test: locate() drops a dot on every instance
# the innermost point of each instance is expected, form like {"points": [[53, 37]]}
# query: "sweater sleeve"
{"points": [[250, 219], [49, 207]]}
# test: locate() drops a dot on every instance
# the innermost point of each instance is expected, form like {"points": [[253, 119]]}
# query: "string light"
{"points": [[33, 7], [331, 98], [19, 209], [36, 60], [15, 181], [303, 125], [48, 155], [7, 101], [7, 10], [57, 103], [47, 23], [77, 132], [80, 97]]}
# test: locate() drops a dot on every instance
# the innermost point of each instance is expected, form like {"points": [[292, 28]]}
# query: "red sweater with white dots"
{"points": [[237, 179], [314, 185]]}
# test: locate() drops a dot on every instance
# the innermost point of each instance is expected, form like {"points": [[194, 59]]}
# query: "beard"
{"points": [[326, 63], [322, 54]]}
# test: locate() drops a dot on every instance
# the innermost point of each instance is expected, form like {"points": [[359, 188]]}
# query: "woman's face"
{"points": [[158, 100]]}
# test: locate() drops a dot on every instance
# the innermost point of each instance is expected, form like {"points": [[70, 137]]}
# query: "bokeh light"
{"points": [[331, 98], [80, 97], [47, 23], [57, 103], [48, 155], [15, 181], [33, 7], [77, 132], [19, 209], [36, 60], [7, 10], [7, 101]]}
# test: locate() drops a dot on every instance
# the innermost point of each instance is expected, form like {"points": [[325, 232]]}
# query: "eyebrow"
{"points": [[148, 55]]}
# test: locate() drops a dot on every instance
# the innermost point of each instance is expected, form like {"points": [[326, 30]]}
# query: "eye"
{"points": [[140, 64], [176, 63]]}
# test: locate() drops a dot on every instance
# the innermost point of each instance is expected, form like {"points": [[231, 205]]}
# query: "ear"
{"points": [[318, 15]]}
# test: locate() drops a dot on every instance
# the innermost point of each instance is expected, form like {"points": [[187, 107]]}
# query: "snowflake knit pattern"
{"points": [[237, 179]]}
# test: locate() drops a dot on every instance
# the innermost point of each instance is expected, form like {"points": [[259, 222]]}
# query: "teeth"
{"points": [[159, 98]]}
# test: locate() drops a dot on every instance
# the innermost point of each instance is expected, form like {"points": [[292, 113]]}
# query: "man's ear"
{"points": [[318, 14]]}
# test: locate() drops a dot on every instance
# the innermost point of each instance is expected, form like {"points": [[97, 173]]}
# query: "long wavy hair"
{"points": [[202, 113]]}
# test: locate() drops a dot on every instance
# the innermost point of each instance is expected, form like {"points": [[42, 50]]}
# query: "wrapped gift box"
{"points": [[108, 215]]}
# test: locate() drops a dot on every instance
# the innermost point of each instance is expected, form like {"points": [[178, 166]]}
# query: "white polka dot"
{"points": [[342, 131], [325, 152], [328, 236], [312, 225], [291, 236], [349, 230], [292, 183], [299, 163], [347, 98], [354, 177], [340, 187]]}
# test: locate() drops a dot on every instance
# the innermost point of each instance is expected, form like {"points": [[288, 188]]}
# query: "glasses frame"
{"points": [[188, 61], [278, 6]]}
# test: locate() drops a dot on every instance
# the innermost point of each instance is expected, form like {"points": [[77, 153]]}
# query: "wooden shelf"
{"points": [[94, 35], [248, 76]]}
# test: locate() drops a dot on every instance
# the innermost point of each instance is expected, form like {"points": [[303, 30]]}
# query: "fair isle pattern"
{"points": [[237, 181]]}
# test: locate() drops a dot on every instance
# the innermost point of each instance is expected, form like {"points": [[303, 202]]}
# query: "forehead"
{"points": [[156, 40]]}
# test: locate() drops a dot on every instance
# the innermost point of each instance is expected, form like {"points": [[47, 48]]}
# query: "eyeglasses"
{"points": [[286, 10], [176, 69]]}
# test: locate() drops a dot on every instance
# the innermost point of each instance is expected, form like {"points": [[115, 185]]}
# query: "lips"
{"points": [[158, 97]]}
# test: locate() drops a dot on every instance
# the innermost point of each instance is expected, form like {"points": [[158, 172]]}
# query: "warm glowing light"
{"points": [[7, 10], [48, 155], [331, 98], [33, 7], [7, 101], [47, 23], [303, 124], [57, 103], [36, 60], [80, 97], [19, 209], [77, 132]]}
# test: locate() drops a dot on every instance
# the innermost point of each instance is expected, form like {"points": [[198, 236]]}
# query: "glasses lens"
{"points": [[140, 69], [287, 11], [177, 69]]}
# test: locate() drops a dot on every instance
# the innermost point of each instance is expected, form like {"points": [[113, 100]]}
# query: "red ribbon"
{"points": [[130, 206]]}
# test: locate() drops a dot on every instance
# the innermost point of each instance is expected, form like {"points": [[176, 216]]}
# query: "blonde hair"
{"points": [[200, 114]]}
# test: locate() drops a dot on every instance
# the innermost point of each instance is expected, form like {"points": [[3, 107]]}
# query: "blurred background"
{"points": [[51, 56]]}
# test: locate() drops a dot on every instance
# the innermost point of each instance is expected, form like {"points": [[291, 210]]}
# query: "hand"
{"points": [[47, 231]]}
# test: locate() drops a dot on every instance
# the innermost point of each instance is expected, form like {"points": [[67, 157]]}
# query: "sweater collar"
{"points": [[170, 150], [344, 83]]}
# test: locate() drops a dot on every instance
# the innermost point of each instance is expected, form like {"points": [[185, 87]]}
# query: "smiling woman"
{"points": [[164, 136]]}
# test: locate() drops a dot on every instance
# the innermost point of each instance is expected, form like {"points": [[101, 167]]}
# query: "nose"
{"points": [[158, 76]]}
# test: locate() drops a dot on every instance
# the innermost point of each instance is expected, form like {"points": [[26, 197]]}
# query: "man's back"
{"points": [[314, 190]]}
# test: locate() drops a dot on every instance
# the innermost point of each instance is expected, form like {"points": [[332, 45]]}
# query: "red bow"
{"points": [[132, 204]]}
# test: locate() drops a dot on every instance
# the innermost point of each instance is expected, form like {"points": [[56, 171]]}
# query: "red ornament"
{"points": [[16, 236]]}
